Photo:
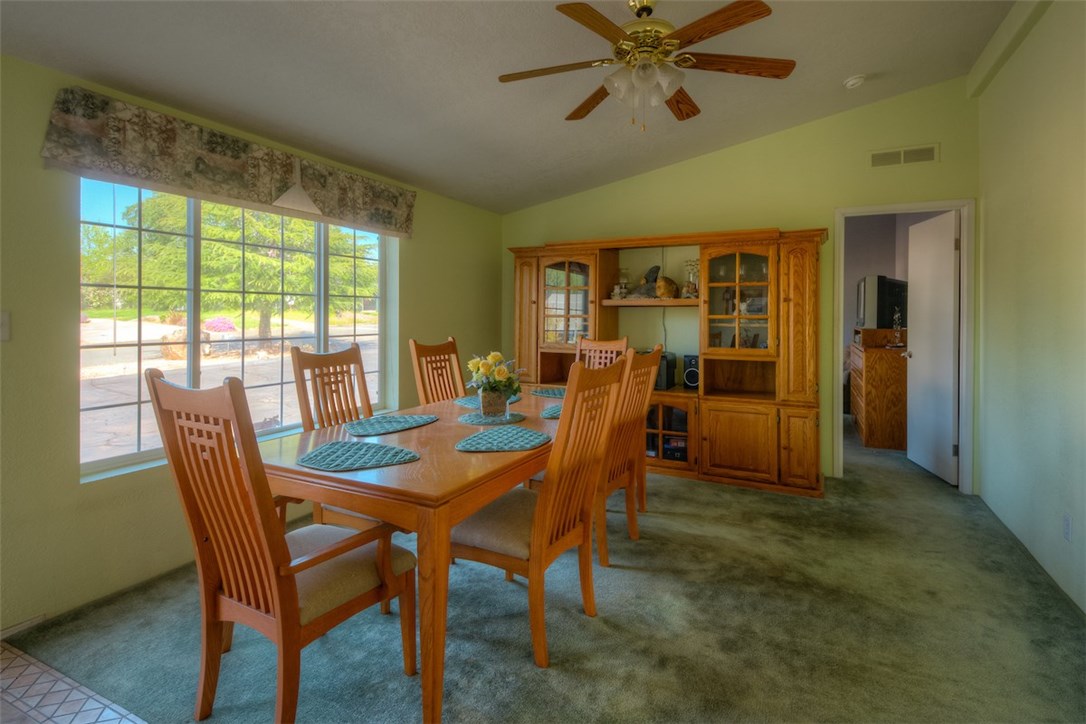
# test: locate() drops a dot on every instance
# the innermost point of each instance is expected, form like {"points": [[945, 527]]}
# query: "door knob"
{"points": [[908, 354]]}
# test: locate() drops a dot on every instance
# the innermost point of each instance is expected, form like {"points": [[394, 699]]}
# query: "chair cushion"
{"points": [[335, 582], [504, 526]]}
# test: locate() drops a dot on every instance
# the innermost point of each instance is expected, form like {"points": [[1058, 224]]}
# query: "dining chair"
{"points": [[291, 587], [437, 371], [597, 353], [525, 530], [624, 466], [337, 381]]}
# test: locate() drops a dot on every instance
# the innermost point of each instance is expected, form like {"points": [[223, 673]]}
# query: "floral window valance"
{"points": [[95, 133]]}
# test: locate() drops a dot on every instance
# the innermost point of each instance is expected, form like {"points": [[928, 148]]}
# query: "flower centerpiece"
{"points": [[497, 381]]}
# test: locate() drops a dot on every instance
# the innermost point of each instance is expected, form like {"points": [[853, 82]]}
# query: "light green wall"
{"points": [[1032, 381], [63, 544], [794, 179]]}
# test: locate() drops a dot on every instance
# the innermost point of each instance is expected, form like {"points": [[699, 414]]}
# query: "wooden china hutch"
{"points": [[753, 420]]}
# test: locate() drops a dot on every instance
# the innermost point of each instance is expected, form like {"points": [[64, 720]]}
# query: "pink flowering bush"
{"points": [[220, 324]]}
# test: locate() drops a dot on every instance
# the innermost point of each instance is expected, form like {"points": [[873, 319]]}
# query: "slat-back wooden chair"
{"points": [[336, 391], [624, 467], [331, 391], [437, 371], [525, 530], [596, 353], [291, 587]]}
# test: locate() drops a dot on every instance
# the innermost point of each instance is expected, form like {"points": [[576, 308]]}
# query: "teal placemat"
{"points": [[472, 401], [551, 412], [503, 439], [387, 423], [345, 455], [478, 418], [550, 392]]}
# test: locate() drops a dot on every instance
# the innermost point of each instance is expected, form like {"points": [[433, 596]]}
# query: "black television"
{"points": [[877, 298]]}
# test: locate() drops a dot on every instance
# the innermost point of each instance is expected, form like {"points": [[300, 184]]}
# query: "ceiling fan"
{"points": [[650, 51]]}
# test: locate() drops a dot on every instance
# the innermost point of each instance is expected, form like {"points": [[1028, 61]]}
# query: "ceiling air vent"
{"points": [[899, 156]]}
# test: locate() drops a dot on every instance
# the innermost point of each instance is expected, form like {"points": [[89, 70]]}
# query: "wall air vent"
{"points": [[899, 156]]}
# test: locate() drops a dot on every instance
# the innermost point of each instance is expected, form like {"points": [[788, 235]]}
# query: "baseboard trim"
{"points": [[20, 627]]}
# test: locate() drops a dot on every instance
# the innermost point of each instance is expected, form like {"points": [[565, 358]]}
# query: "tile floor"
{"points": [[30, 691]]}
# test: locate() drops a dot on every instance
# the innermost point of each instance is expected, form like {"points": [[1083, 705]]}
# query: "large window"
{"points": [[160, 271]]}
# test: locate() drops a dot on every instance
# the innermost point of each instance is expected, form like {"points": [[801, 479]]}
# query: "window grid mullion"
{"points": [[139, 316], [142, 339], [194, 211], [324, 297]]}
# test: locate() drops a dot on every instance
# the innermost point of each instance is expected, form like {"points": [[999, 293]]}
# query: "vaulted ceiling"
{"points": [[409, 89]]}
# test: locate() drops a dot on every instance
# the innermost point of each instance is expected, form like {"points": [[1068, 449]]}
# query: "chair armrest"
{"points": [[281, 502], [381, 532]]}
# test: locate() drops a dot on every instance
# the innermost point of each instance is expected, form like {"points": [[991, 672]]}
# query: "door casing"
{"points": [[966, 311]]}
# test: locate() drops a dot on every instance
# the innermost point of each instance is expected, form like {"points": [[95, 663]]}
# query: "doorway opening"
{"points": [[904, 216]]}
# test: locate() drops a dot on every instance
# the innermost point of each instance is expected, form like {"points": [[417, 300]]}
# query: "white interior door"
{"points": [[933, 346]]}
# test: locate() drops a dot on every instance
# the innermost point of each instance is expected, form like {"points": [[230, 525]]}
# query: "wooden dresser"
{"points": [[878, 388]]}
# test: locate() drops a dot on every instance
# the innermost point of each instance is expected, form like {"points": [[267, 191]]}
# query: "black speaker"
{"points": [[665, 377], [690, 371]]}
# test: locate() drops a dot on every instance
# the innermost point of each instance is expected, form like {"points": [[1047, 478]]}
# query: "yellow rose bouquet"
{"points": [[494, 373]]}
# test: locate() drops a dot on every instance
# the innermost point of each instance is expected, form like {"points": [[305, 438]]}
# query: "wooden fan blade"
{"points": [[682, 105], [589, 104], [591, 18], [554, 69], [729, 17], [743, 65]]}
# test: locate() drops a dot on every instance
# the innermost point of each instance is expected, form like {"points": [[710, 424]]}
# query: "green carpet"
{"points": [[894, 599]]}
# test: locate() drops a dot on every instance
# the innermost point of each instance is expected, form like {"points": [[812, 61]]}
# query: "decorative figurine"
{"points": [[647, 288], [666, 288], [690, 288]]}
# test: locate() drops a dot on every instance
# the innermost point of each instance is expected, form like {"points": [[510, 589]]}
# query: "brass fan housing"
{"points": [[648, 40], [641, 7]]}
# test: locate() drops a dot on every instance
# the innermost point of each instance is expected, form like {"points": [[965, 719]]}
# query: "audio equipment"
{"points": [[665, 377], [691, 373]]}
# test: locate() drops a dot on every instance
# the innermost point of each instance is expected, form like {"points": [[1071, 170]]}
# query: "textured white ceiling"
{"points": [[409, 89]]}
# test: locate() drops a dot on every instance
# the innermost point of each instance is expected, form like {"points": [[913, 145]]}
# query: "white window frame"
{"points": [[128, 462]]}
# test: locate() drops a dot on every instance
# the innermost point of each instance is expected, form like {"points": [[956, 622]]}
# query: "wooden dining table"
{"points": [[428, 496]]}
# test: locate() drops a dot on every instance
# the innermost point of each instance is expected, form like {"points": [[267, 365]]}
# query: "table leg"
{"points": [[433, 572]]}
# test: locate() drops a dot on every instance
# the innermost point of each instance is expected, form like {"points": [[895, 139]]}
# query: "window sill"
{"points": [[92, 474]]}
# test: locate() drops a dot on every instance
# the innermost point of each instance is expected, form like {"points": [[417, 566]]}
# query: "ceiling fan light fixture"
{"points": [[620, 83], [645, 74], [656, 96], [650, 53], [671, 78]]}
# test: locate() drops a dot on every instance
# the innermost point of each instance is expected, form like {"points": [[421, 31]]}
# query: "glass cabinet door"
{"points": [[566, 293], [667, 439], [738, 291]]}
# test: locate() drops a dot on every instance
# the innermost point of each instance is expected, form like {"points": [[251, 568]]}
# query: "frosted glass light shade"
{"points": [[619, 83], [670, 78], [645, 74]]}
